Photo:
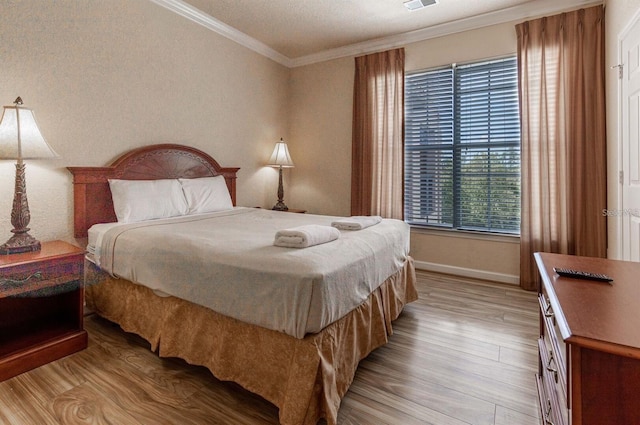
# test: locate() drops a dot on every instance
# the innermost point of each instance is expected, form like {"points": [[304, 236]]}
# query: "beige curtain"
{"points": [[562, 107], [377, 180]]}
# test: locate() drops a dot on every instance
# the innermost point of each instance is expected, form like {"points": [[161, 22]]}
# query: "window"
{"points": [[462, 147]]}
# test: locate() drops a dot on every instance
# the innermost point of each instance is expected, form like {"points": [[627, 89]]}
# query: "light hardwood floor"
{"points": [[464, 353]]}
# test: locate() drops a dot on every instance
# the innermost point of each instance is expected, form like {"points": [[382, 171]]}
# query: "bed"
{"points": [[301, 352]]}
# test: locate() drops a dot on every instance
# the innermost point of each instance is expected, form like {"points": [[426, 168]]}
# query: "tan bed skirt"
{"points": [[305, 378]]}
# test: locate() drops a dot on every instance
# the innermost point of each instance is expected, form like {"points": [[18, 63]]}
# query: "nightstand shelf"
{"points": [[43, 320]]}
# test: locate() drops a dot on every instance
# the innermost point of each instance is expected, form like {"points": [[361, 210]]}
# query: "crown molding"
{"points": [[524, 11], [529, 10], [199, 17]]}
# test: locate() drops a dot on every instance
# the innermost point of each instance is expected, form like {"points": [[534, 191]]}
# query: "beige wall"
{"points": [[106, 76], [321, 109], [320, 128], [619, 14]]}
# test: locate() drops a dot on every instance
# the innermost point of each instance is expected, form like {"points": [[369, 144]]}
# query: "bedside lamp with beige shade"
{"points": [[20, 139], [280, 158]]}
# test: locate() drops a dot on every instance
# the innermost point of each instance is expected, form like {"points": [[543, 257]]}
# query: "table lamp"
{"points": [[280, 158], [20, 139]]}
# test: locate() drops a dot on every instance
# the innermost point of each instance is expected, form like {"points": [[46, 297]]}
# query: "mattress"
{"points": [[227, 262]]}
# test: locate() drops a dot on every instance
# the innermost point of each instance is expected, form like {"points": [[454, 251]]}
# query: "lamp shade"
{"points": [[280, 156], [20, 137]]}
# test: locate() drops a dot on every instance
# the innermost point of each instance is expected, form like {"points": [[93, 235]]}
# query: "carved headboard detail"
{"points": [[91, 193]]}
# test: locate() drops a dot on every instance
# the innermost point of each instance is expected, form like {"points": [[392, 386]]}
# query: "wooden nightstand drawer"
{"points": [[41, 278]]}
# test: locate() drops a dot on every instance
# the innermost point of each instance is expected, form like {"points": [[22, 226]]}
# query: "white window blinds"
{"points": [[462, 147]]}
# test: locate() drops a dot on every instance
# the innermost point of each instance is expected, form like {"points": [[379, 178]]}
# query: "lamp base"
{"points": [[19, 243], [280, 206]]}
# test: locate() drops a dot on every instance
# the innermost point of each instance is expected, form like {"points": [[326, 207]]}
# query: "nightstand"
{"points": [[291, 210], [41, 307], [294, 210]]}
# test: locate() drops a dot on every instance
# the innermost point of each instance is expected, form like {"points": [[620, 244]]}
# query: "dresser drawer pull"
{"points": [[551, 369], [36, 275], [547, 311], [547, 414]]}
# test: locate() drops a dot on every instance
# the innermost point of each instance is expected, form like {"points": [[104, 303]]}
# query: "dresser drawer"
{"points": [[555, 345], [552, 375], [551, 394], [550, 412]]}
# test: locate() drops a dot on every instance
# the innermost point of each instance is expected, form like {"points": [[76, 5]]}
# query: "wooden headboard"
{"points": [[91, 193]]}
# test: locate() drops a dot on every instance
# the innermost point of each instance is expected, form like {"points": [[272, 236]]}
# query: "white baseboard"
{"points": [[465, 272]]}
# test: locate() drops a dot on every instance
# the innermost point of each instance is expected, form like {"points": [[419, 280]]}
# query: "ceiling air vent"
{"points": [[418, 4]]}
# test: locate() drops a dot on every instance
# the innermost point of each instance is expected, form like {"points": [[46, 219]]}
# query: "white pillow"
{"points": [[206, 194], [137, 200]]}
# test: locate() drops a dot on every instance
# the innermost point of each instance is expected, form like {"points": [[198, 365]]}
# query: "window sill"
{"points": [[466, 234]]}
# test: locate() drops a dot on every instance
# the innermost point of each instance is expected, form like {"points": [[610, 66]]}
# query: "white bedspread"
{"points": [[226, 261]]}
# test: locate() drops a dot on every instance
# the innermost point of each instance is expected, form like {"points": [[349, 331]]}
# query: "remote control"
{"points": [[578, 274]]}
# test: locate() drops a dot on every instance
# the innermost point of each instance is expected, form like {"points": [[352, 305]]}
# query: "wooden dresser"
{"points": [[589, 346]]}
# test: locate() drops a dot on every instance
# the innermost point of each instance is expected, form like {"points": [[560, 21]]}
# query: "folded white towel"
{"points": [[305, 236], [356, 222]]}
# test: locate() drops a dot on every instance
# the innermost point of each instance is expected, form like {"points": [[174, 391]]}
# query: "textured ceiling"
{"points": [[297, 28]]}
